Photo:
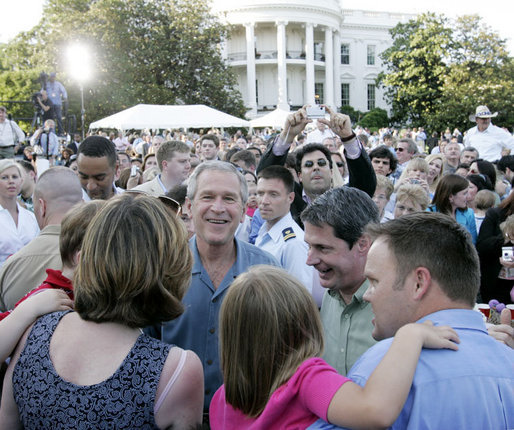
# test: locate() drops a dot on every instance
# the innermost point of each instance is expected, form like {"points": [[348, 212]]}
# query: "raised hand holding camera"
{"points": [[340, 124], [294, 125]]}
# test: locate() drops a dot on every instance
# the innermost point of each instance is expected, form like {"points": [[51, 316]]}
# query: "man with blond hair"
{"points": [[174, 162]]}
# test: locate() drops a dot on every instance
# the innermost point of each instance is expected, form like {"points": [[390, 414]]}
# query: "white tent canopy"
{"points": [[275, 119], [162, 116]]}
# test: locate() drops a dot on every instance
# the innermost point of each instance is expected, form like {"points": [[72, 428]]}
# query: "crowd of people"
{"points": [[317, 277]]}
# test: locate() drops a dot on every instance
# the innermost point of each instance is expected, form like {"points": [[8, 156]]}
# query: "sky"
{"points": [[21, 15]]}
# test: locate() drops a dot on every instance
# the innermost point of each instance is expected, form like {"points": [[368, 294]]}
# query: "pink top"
{"points": [[296, 404]]}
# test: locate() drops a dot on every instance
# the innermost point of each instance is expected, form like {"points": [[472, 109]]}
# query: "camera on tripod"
{"points": [[43, 79]]}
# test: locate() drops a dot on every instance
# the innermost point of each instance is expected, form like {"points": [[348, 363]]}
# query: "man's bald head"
{"points": [[57, 190]]}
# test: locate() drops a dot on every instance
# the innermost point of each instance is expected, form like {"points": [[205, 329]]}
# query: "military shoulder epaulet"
{"points": [[288, 233]]}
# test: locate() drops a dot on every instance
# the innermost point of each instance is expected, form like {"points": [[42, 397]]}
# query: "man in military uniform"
{"points": [[280, 235]]}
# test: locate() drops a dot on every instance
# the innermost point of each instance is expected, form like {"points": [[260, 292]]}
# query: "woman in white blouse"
{"points": [[18, 226]]}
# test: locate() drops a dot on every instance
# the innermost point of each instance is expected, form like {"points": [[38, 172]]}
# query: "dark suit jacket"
{"points": [[489, 246], [362, 176]]}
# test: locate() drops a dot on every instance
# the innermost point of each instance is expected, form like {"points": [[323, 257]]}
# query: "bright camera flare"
{"points": [[79, 62]]}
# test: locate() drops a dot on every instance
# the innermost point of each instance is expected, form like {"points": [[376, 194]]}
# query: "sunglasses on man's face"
{"points": [[168, 201], [322, 162], [400, 149]]}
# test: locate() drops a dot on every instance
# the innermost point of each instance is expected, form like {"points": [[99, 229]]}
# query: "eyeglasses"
{"points": [[322, 162], [168, 201], [400, 149]]}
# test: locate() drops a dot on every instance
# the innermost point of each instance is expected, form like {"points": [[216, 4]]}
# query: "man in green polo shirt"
{"points": [[338, 248]]}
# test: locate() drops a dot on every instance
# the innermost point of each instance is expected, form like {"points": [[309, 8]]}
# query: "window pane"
{"points": [[345, 54], [345, 94], [371, 96], [371, 55], [318, 92]]}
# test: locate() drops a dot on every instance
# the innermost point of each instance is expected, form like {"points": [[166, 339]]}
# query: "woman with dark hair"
{"points": [[477, 183], [95, 365], [450, 198], [149, 161], [491, 240], [484, 167]]}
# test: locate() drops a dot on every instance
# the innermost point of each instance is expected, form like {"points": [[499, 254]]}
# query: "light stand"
{"points": [[82, 110], [79, 69]]}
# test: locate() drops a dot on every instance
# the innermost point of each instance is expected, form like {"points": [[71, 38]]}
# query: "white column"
{"points": [[250, 69], [309, 64], [329, 68], [281, 64], [337, 69]]}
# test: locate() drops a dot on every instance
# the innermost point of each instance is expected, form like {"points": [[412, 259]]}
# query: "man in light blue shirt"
{"points": [[421, 267], [58, 95]]}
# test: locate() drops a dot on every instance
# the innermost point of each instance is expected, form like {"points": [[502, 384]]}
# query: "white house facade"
{"points": [[287, 53]]}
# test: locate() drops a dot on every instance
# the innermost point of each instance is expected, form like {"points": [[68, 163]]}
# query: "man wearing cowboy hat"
{"points": [[488, 139]]}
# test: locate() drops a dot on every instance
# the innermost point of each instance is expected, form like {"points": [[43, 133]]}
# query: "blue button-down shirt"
{"points": [[56, 92], [472, 388], [197, 328]]}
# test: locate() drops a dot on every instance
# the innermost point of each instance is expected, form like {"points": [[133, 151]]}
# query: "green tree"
{"points": [[438, 71], [155, 52], [481, 72], [354, 114], [375, 118], [415, 68]]}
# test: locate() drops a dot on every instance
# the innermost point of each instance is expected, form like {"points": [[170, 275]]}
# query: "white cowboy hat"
{"points": [[482, 112]]}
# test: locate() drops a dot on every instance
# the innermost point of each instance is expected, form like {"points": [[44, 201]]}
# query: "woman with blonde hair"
{"points": [[416, 172], [410, 198], [95, 365], [435, 171], [271, 339], [19, 226]]}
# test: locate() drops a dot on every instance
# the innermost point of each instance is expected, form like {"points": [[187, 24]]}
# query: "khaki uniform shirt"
{"points": [[26, 269]]}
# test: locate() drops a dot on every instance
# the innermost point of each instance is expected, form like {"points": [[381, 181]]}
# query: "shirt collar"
{"points": [[160, 183], [458, 318], [358, 297], [275, 232]]}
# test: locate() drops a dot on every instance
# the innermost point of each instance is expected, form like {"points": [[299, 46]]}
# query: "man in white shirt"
{"points": [[121, 142], [10, 134], [320, 133], [487, 138], [280, 235]]}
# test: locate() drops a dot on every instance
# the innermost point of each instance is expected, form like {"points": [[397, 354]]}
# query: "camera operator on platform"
{"points": [[58, 95], [10, 135]]}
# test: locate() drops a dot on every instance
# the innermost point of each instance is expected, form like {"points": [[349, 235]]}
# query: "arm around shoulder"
{"points": [[380, 401]]}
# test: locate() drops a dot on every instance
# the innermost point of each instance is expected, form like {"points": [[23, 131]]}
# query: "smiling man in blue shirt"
{"points": [[216, 198], [421, 267]]}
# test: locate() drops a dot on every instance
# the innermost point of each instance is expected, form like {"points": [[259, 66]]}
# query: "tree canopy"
{"points": [[437, 71], [143, 51]]}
